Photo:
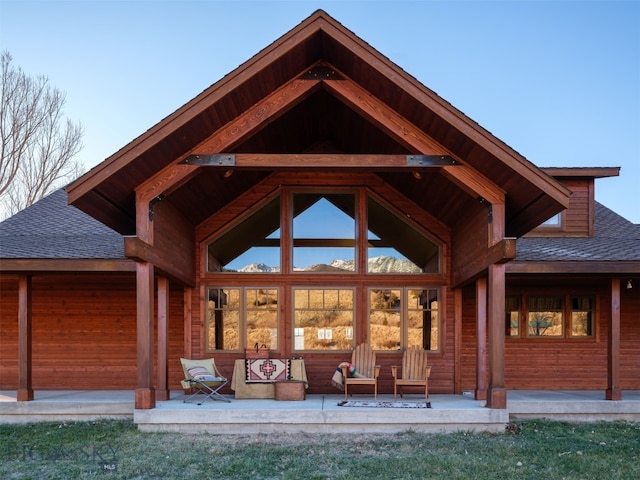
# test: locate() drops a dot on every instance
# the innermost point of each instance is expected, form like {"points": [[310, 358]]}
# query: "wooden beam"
{"points": [[253, 120], [574, 267], [385, 118], [140, 251], [322, 160], [66, 265], [185, 114], [474, 184], [614, 391], [25, 331], [500, 253], [412, 137], [496, 393], [441, 108], [144, 394]]}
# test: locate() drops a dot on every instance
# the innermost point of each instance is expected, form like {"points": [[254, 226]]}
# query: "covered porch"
{"points": [[319, 413]]}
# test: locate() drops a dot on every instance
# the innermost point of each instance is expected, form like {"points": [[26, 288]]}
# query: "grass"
{"points": [[117, 450]]}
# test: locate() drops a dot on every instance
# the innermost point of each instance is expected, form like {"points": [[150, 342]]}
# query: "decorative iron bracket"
{"points": [[320, 72], [152, 202], [489, 206], [430, 160], [215, 160]]}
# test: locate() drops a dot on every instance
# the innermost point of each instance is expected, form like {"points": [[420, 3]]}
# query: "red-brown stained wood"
{"points": [[578, 219], [553, 364], [84, 338], [83, 333]]}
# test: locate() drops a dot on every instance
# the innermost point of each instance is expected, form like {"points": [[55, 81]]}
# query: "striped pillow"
{"points": [[201, 374]]}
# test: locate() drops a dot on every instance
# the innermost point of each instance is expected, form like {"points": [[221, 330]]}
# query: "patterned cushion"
{"points": [[201, 374]]}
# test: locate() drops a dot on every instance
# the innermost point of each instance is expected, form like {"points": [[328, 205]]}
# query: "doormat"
{"points": [[358, 403], [267, 370]]}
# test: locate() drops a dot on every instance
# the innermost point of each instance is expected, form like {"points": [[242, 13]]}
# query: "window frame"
{"points": [[567, 313], [352, 327], [286, 244], [404, 311], [243, 313]]}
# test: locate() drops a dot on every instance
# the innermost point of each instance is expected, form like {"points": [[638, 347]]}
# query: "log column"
{"points": [[145, 394], [496, 395], [481, 339], [25, 387], [163, 392], [613, 355]]}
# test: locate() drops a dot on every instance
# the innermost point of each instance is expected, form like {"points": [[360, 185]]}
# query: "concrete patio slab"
{"points": [[318, 413]]}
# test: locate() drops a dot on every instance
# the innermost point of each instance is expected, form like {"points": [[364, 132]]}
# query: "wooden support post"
{"points": [[457, 318], [613, 355], [163, 391], [496, 395], [481, 339], [188, 347], [25, 387], [145, 394]]}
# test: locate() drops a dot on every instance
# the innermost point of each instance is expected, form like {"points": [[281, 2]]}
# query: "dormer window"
{"points": [[552, 227], [555, 221]]}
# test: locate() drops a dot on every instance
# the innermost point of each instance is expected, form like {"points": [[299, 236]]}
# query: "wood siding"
{"points": [[567, 364], [579, 219], [84, 332]]}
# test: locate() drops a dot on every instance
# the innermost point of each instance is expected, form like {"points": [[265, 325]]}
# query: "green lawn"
{"points": [[115, 449]]}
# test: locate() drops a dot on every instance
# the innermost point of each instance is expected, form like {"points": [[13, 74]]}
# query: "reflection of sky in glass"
{"points": [[321, 220]]}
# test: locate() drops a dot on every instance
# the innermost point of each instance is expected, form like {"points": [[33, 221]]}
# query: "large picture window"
{"points": [[239, 317], [323, 318], [404, 317], [329, 260]]}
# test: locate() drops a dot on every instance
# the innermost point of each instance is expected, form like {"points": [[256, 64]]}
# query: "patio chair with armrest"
{"points": [[363, 359], [204, 377], [415, 372]]}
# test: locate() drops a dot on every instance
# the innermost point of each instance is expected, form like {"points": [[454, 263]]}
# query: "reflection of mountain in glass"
{"points": [[376, 265]]}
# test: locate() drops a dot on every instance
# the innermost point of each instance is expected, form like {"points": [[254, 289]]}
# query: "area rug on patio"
{"points": [[359, 403], [261, 370]]}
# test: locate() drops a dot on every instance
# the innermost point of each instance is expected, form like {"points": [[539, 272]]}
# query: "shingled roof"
{"points": [[52, 229], [616, 240]]}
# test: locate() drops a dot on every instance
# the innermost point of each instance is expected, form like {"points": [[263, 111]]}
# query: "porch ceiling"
{"points": [[320, 122]]}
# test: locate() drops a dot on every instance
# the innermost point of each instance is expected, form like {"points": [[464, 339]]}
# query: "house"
{"points": [[315, 198]]}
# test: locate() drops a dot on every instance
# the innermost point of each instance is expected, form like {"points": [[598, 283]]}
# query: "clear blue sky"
{"points": [[558, 81]]}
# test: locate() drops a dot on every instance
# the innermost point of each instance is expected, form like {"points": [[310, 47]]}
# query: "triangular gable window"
{"points": [[251, 246], [324, 229], [394, 246]]}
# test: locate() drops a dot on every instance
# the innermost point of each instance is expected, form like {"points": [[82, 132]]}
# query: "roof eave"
{"points": [[575, 267]]}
